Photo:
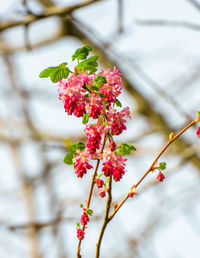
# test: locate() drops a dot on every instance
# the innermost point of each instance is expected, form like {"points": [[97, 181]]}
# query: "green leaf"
{"points": [[89, 212], [104, 102], [77, 146], [102, 95], [56, 73], [88, 64], [80, 146], [162, 165], [94, 88], [78, 224], [100, 175], [98, 81], [125, 149], [131, 147], [61, 72], [81, 53], [47, 72], [118, 103], [99, 78], [68, 158], [107, 180], [81, 205], [85, 118]]}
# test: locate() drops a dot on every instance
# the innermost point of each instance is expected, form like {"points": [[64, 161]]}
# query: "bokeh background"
{"points": [[155, 45]]}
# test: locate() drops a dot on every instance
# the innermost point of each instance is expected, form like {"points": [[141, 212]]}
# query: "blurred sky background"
{"points": [[155, 45]]}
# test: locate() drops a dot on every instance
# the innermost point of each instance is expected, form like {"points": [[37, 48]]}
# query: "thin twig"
{"points": [[106, 219], [180, 24], [195, 4], [152, 165]]}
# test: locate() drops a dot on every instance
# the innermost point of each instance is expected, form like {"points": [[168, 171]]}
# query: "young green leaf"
{"points": [[68, 158], [89, 212], [89, 64], [162, 165], [101, 95], [98, 81], [118, 103], [125, 149], [100, 175], [77, 146], [107, 180], [131, 147], [80, 146], [81, 53], [47, 72], [85, 118], [78, 224], [81, 205], [94, 88], [56, 73]]}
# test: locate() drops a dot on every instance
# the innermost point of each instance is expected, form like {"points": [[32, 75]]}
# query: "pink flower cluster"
{"points": [[81, 163], [113, 164], [80, 233], [84, 218], [74, 92], [80, 96]]}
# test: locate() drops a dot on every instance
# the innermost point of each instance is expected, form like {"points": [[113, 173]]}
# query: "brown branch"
{"points": [[90, 193], [195, 4], [48, 12], [152, 165], [180, 24], [106, 219]]}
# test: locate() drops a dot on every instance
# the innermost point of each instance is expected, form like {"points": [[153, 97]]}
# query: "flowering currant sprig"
{"points": [[94, 97]]}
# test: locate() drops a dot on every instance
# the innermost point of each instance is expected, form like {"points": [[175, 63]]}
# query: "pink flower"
{"points": [[94, 106], [113, 87], [72, 93], [99, 183], [118, 173], [114, 164], [94, 140], [81, 163], [108, 168], [102, 193], [131, 194], [117, 120], [84, 218], [112, 146], [160, 177], [80, 233], [198, 132]]}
